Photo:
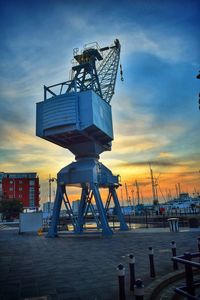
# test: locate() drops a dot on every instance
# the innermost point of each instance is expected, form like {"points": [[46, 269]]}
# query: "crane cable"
{"points": [[121, 73]]}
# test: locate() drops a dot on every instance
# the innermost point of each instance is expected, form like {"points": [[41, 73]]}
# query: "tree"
{"points": [[10, 208]]}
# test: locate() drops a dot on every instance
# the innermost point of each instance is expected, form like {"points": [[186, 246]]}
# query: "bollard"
{"points": [[173, 224], [139, 290], [175, 263], [121, 278], [151, 261], [132, 271]]}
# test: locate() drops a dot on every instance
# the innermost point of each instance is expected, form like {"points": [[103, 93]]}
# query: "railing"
{"points": [[59, 88], [152, 221], [171, 212], [189, 289], [138, 222]]}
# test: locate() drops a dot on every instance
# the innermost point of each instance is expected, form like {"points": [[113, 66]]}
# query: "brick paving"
{"points": [[81, 267]]}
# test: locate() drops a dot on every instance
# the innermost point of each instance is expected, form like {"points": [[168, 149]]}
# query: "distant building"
{"points": [[21, 186], [75, 206], [48, 207]]}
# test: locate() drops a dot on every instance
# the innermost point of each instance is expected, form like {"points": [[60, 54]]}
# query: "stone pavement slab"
{"points": [[82, 267]]}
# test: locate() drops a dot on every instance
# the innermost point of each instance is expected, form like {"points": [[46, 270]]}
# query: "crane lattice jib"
{"points": [[107, 73], [97, 70]]}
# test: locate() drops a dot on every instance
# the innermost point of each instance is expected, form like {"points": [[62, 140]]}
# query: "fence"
{"points": [[189, 289]]}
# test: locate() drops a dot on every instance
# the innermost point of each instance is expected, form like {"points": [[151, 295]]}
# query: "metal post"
{"points": [[45, 93], [121, 279], [189, 275], [146, 220], [175, 264], [151, 261], [198, 243], [163, 220], [50, 194], [132, 271], [139, 290]]}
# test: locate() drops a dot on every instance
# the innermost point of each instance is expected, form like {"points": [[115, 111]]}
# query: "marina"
{"points": [[99, 155]]}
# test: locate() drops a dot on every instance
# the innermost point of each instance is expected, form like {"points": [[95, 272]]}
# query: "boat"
{"points": [[184, 201]]}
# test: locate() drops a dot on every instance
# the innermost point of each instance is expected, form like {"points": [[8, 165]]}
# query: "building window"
{"points": [[11, 182], [31, 182], [20, 181], [31, 203], [20, 189], [10, 189], [20, 196]]}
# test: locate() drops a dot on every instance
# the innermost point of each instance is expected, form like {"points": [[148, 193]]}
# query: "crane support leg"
{"points": [[81, 210], [123, 225], [56, 213], [102, 212]]}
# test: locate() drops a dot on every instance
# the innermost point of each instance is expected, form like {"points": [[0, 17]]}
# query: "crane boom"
{"points": [[107, 71]]}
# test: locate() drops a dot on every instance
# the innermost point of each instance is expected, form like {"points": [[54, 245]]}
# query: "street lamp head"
{"points": [[52, 179]]}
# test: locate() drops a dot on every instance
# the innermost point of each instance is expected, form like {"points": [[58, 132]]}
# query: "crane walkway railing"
{"points": [[189, 289], [59, 88]]}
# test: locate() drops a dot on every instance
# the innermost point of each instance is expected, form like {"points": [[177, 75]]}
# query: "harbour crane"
{"points": [[76, 115]]}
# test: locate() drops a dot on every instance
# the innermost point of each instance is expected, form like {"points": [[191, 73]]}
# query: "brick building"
{"points": [[22, 186]]}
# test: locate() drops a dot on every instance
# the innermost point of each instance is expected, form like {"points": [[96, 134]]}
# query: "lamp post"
{"points": [[51, 179]]}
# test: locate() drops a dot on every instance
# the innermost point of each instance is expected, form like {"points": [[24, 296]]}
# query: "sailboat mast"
{"points": [[127, 197], [138, 191], [154, 190]]}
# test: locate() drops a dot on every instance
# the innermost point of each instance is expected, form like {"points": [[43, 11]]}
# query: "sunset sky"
{"points": [[155, 110]]}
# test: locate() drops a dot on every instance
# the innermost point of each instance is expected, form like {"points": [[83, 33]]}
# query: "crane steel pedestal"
{"points": [[93, 175], [76, 115]]}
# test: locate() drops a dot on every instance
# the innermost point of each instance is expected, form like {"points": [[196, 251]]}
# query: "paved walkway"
{"points": [[82, 267]]}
